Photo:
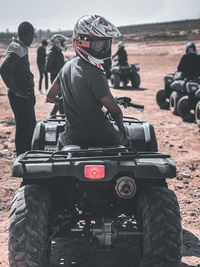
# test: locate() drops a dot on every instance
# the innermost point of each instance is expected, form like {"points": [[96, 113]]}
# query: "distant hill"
{"points": [[176, 30]]}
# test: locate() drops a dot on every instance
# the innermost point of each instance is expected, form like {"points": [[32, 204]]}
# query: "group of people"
{"points": [[81, 81]]}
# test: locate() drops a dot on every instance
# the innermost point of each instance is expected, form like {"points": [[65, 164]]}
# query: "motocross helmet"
{"points": [[121, 44], [92, 40], [190, 48], [59, 40]]}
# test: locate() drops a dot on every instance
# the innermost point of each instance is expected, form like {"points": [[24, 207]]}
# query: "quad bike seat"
{"points": [[50, 136]]}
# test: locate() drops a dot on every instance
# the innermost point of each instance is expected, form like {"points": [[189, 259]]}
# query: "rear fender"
{"points": [[140, 165]]}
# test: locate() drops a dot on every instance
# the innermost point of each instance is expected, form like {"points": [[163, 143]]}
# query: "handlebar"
{"points": [[126, 102]]}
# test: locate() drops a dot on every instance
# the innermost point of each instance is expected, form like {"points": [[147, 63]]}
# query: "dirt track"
{"points": [[180, 139]]}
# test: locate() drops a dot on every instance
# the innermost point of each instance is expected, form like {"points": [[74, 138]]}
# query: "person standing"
{"points": [[55, 61], [41, 60], [16, 74]]}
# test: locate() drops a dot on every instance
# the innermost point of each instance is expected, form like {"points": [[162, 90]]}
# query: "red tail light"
{"points": [[94, 171]]}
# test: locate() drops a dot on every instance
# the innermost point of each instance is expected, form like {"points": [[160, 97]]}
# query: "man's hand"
{"points": [[124, 138], [113, 108], [22, 94]]}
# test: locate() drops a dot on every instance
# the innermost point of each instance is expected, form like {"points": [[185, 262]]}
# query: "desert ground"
{"points": [[179, 139]]}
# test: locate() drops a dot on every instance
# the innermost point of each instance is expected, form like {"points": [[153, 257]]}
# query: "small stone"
{"points": [[179, 186], [179, 177], [193, 166], [185, 175]]}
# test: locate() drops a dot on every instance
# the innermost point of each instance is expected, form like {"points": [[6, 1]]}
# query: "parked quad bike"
{"points": [[129, 72], [187, 104], [95, 186], [163, 95]]}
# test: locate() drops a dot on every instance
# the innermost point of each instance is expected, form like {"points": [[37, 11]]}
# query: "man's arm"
{"points": [[54, 91], [116, 54], [181, 64], [6, 70], [113, 108], [49, 66]]}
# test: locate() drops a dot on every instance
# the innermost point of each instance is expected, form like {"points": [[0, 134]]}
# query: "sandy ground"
{"points": [[181, 140]]}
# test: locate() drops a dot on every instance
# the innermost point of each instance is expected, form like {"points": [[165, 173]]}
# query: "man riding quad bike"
{"points": [[188, 69], [189, 66], [121, 71], [85, 187]]}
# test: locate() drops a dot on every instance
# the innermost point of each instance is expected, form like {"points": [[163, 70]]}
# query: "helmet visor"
{"points": [[101, 46]]}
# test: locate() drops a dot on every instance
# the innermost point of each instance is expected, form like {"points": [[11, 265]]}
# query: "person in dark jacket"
{"points": [[121, 54], [41, 60], [189, 64], [15, 71], [55, 61]]}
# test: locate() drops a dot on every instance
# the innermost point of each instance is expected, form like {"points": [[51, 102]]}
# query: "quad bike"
{"points": [[179, 90], [163, 95], [187, 104], [103, 193], [124, 74]]}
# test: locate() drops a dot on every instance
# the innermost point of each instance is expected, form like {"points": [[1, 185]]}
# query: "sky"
{"points": [[63, 14]]}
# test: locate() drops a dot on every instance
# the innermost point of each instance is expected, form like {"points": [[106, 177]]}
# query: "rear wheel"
{"points": [[160, 221], [29, 228], [161, 99], [135, 80], [183, 108], [115, 80], [173, 101], [197, 114]]}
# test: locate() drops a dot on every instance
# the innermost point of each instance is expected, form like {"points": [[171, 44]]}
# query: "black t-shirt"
{"points": [[190, 65], [122, 56], [41, 55], [55, 60], [82, 86]]}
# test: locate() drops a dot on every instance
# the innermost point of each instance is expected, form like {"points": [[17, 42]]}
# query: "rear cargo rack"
{"points": [[116, 154]]}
